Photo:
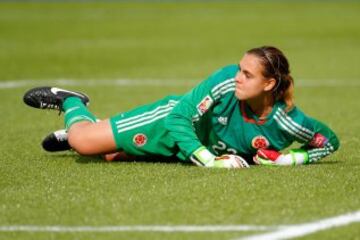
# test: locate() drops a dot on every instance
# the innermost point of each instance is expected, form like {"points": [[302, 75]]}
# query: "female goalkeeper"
{"points": [[245, 109]]}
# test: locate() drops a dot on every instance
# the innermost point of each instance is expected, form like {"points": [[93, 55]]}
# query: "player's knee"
{"points": [[80, 143]]}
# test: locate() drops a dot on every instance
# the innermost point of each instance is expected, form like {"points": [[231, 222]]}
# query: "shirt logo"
{"points": [[260, 142], [140, 139], [223, 120], [55, 90], [204, 105]]}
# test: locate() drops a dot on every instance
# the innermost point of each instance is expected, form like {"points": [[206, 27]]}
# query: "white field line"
{"points": [[163, 82], [137, 228], [293, 231], [94, 82], [278, 232]]}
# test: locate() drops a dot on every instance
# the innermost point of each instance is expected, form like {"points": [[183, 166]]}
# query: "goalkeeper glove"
{"points": [[272, 157], [203, 157], [230, 161]]}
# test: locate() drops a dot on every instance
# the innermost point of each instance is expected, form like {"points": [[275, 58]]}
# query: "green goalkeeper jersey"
{"points": [[211, 116]]}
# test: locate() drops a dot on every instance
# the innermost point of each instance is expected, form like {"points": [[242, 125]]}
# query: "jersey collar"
{"points": [[251, 117]]}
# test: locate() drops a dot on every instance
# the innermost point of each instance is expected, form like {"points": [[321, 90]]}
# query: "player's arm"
{"points": [[318, 142], [323, 143], [192, 107]]}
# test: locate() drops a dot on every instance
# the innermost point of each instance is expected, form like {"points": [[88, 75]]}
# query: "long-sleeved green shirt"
{"points": [[211, 116]]}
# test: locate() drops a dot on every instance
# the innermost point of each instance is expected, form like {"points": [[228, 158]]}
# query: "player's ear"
{"points": [[270, 84]]}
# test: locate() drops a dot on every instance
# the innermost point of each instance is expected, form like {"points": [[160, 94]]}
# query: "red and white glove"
{"points": [[266, 157], [271, 157]]}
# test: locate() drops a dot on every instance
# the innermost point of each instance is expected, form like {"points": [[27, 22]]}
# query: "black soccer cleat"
{"points": [[56, 141], [51, 97]]}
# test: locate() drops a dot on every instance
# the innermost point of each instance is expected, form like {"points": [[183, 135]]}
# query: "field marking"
{"points": [[137, 228], [163, 82], [277, 232], [95, 82], [293, 231]]}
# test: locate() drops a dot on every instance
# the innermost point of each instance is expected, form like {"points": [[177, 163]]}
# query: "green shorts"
{"points": [[142, 131]]}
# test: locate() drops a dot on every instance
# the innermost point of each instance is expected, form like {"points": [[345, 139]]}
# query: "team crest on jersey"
{"points": [[259, 142], [140, 139], [204, 105]]}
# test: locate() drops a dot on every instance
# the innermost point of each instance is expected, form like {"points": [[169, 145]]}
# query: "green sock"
{"points": [[76, 111]]}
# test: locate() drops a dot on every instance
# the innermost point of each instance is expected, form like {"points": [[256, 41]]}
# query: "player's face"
{"points": [[249, 81]]}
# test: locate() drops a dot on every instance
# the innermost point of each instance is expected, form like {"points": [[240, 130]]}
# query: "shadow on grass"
{"points": [[99, 159], [327, 162], [148, 159]]}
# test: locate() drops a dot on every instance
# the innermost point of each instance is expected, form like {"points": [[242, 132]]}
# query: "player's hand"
{"points": [[272, 157], [203, 157], [230, 161], [267, 157], [118, 156]]}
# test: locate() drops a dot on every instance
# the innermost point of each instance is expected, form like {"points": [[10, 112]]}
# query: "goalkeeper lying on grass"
{"points": [[245, 110]]}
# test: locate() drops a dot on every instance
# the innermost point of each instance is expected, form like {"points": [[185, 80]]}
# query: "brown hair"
{"points": [[276, 66]]}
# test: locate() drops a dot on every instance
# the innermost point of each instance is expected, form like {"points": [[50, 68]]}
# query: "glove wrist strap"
{"points": [[299, 156], [203, 157]]}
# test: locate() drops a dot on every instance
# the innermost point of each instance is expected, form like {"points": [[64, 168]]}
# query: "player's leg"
{"points": [[137, 132], [128, 131], [88, 138], [85, 135], [57, 141]]}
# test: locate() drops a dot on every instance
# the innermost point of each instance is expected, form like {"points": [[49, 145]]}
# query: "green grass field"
{"points": [[93, 44]]}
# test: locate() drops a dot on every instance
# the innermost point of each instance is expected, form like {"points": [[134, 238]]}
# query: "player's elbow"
{"points": [[168, 122], [174, 121], [335, 142]]}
